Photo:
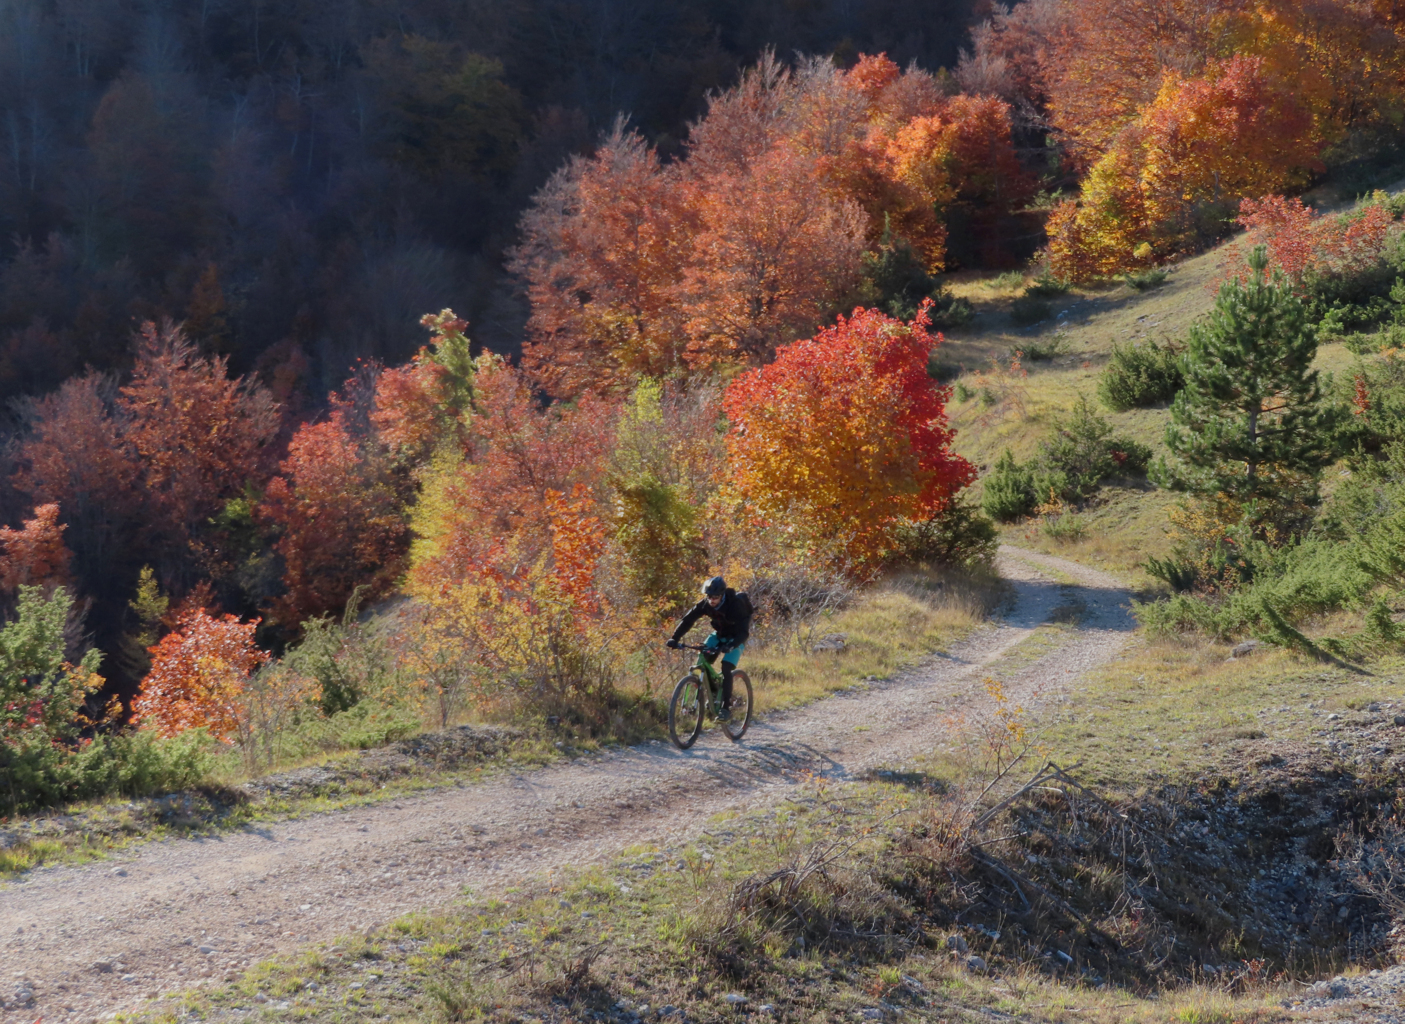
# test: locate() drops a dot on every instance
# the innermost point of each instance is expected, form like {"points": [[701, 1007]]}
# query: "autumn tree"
{"points": [[34, 554], [428, 401], [603, 246], [196, 434], [520, 454], [198, 674], [338, 521], [774, 252], [959, 164], [1201, 146], [72, 453], [845, 434]]}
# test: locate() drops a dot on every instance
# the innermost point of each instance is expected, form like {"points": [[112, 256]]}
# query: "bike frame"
{"points": [[712, 678]]}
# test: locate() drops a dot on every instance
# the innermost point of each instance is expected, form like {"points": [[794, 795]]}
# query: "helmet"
{"points": [[715, 587]]}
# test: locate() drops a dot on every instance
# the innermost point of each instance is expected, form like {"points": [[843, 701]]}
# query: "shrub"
{"points": [[1082, 451], [1010, 279], [1139, 376], [896, 281], [1028, 310], [38, 775], [1009, 490], [1145, 280], [1047, 286], [1042, 350], [960, 535]]}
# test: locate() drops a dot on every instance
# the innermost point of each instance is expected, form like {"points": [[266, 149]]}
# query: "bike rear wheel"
{"points": [[736, 726], [685, 711]]}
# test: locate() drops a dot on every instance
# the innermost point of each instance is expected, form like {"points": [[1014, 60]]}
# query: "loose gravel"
{"points": [[84, 942]]}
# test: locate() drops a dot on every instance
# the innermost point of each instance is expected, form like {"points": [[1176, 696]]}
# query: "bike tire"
{"points": [[736, 727], [685, 711]]}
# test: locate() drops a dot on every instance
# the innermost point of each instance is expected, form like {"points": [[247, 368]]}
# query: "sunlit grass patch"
{"points": [[885, 630]]}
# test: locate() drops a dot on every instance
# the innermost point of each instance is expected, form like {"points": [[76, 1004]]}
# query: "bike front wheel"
{"points": [[685, 711], [736, 726]]}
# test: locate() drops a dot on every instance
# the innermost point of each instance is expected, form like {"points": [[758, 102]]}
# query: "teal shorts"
{"points": [[732, 656]]}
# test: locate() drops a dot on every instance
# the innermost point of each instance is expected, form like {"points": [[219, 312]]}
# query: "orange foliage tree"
{"points": [[960, 160], [772, 254], [339, 521], [35, 554], [198, 435], [845, 434], [428, 401], [1202, 145], [520, 454], [602, 249], [198, 673], [75, 456]]}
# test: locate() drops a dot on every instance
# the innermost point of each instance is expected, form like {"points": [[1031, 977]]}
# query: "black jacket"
{"points": [[731, 620]]}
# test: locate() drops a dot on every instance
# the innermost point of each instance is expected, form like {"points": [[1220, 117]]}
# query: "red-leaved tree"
{"points": [[198, 673], [35, 554], [339, 521], [845, 435]]}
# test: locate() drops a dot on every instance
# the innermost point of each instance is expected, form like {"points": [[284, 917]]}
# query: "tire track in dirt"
{"points": [[178, 913]]}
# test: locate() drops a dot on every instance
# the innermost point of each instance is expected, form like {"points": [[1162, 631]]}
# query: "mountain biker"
{"points": [[730, 613]]}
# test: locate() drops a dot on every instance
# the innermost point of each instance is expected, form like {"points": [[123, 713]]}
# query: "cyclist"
{"points": [[730, 613]]}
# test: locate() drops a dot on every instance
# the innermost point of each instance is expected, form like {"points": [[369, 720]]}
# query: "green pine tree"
{"points": [[1250, 420]]}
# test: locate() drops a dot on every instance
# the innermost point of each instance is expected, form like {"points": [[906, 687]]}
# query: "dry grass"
{"points": [[886, 629], [1172, 710]]}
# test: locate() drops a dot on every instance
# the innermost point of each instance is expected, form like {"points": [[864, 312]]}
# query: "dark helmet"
{"points": [[715, 587]]}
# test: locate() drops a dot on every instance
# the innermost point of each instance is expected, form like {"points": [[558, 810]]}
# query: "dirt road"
{"points": [[80, 943]]}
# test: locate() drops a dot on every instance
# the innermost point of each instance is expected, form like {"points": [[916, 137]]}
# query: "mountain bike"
{"points": [[699, 694]]}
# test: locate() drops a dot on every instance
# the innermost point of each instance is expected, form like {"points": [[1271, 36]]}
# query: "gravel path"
{"points": [[80, 943]]}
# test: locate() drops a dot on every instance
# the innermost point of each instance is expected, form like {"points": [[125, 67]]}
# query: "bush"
{"points": [[1145, 280], [896, 281], [1047, 286], [1139, 376], [1082, 451], [1009, 490], [960, 535], [1028, 310], [38, 775], [1037, 350]]}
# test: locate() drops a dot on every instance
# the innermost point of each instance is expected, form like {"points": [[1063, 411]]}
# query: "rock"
{"points": [[23, 996], [259, 997], [830, 642], [305, 907], [665, 1012], [913, 983], [207, 950], [871, 1013], [735, 999], [355, 985], [976, 964], [1243, 650], [957, 943], [118, 872], [765, 1008], [102, 966]]}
